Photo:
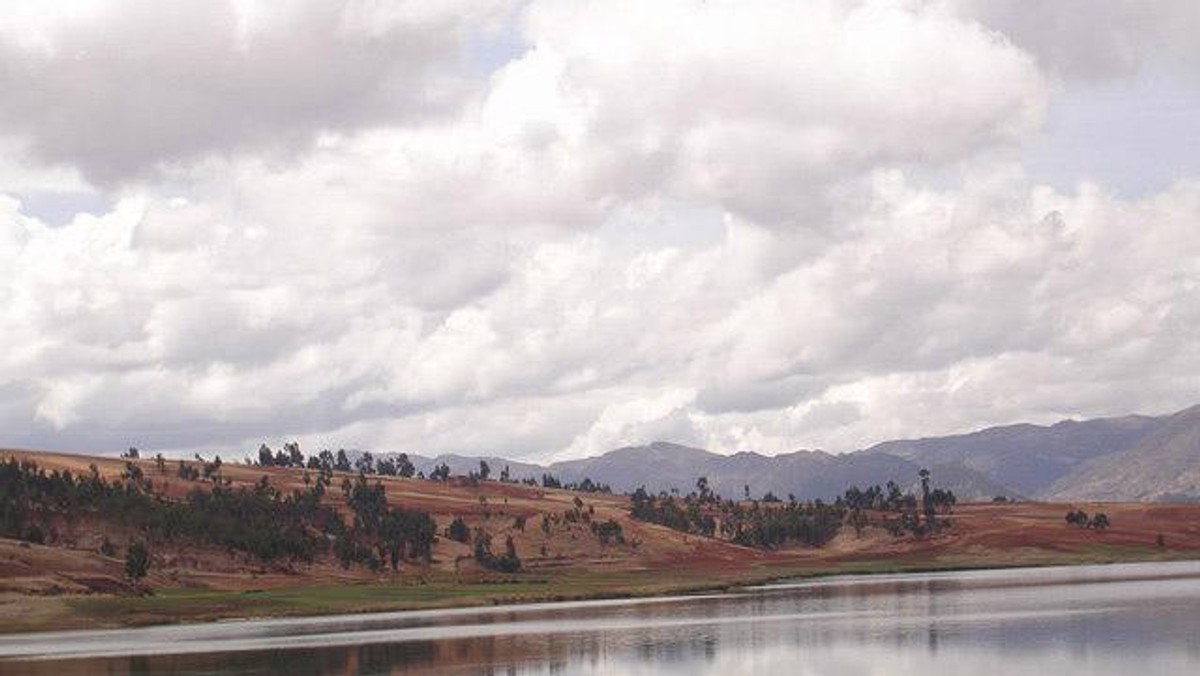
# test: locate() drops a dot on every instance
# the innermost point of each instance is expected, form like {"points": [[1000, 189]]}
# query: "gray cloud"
{"points": [[140, 86], [1092, 41]]}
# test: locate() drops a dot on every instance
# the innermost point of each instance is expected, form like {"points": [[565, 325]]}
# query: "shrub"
{"points": [[137, 561], [458, 531]]}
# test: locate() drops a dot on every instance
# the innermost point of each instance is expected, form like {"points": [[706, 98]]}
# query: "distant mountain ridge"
{"points": [[1125, 458], [1163, 464], [1026, 458]]}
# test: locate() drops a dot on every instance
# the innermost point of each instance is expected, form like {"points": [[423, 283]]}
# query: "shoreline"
{"points": [[177, 607]]}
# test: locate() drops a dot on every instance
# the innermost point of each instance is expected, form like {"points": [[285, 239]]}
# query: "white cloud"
{"points": [[763, 108], [749, 226]]}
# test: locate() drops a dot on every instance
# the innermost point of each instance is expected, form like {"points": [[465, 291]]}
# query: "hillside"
{"points": [[68, 577], [1025, 458], [1162, 465], [491, 506]]}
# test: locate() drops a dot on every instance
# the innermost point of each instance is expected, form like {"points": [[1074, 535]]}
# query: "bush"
{"points": [[137, 561], [508, 563], [1078, 518], [458, 531], [608, 531]]}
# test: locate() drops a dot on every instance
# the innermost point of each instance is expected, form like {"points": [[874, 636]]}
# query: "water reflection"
{"points": [[1094, 620]]}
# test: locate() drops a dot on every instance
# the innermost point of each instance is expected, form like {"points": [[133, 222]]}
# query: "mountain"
{"points": [[1026, 458], [1127, 458], [808, 475], [659, 466], [663, 466], [461, 464], [1162, 465]]}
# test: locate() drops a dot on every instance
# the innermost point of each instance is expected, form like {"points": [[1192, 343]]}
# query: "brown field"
{"points": [[67, 582]]}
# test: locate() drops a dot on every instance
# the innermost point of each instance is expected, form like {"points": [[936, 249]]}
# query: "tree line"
{"points": [[896, 511], [368, 464], [771, 522], [764, 524]]}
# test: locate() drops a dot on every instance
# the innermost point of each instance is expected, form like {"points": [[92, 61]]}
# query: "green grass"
{"points": [[191, 605]]}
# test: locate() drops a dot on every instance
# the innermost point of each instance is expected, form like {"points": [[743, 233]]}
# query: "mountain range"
{"points": [[1140, 458]]}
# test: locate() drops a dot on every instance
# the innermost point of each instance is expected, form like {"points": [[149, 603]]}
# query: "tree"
{"points": [[1100, 521], [608, 531], [325, 459], [187, 472], [265, 457], [858, 520], [895, 497], [458, 530], [927, 505], [294, 454], [483, 545], [365, 464], [342, 463], [1078, 518], [404, 466], [132, 453], [137, 561], [484, 470], [943, 499], [509, 563]]}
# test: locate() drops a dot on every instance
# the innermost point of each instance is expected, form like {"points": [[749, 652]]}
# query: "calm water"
{"points": [[1099, 620]]}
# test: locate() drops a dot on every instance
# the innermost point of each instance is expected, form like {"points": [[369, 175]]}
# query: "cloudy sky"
{"points": [[547, 229]]}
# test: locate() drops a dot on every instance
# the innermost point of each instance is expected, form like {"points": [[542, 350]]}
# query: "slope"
{"points": [[1164, 465]]}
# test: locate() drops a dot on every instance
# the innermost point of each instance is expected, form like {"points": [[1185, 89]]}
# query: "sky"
{"points": [[543, 230]]}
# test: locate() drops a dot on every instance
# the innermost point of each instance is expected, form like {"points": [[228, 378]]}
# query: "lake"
{"points": [[1097, 620]]}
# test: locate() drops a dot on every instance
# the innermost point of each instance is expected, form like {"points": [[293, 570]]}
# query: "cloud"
{"points": [[128, 89], [1089, 41], [765, 109], [786, 226], [952, 307]]}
